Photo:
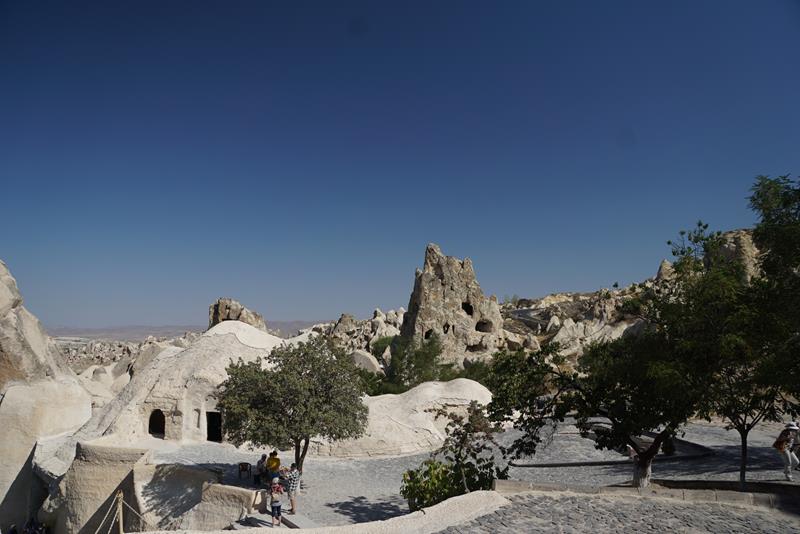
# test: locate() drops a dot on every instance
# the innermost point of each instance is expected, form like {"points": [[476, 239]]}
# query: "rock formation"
{"points": [[738, 245], [404, 424], [354, 334], [226, 309], [39, 396], [26, 352], [447, 301]]}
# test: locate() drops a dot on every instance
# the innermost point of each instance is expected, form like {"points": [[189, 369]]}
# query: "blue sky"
{"points": [[298, 156]]}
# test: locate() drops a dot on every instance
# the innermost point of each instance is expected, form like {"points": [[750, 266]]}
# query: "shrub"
{"points": [[469, 464]]}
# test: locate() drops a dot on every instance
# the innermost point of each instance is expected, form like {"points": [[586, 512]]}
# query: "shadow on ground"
{"points": [[361, 509]]}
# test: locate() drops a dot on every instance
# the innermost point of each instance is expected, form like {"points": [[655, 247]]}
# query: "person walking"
{"points": [[275, 498], [785, 447], [293, 480]]}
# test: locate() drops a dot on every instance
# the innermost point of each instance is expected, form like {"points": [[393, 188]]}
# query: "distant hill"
{"points": [[140, 332]]}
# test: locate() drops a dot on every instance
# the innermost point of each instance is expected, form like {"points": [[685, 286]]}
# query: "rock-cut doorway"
{"points": [[157, 423], [214, 426]]}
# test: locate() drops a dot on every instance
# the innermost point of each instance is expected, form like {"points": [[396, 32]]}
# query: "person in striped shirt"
{"points": [[293, 480]]}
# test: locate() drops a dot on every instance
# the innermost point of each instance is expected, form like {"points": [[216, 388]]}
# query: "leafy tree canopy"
{"points": [[298, 392]]}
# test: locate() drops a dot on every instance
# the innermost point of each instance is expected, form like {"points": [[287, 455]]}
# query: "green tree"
{"points": [[413, 363], [776, 201], [299, 392], [465, 462], [714, 318], [633, 382]]}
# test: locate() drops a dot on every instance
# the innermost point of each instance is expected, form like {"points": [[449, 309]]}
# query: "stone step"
{"points": [[298, 521], [259, 521]]}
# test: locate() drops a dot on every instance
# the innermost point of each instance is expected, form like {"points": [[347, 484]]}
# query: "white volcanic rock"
{"points": [[738, 245], [227, 309], [39, 396], [365, 360], [354, 334], [401, 424], [180, 383], [26, 352], [447, 301]]}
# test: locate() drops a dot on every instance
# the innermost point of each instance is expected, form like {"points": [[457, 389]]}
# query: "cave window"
{"points": [[157, 424], [484, 326], [467, 307], [446, 328], [428, 333]]}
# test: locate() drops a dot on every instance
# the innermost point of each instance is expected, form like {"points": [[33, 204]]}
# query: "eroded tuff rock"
{"points": [[39, 396], [405, 423], [738, 245], [448, 301], [26, 352], [227, 309], [354, 334]]}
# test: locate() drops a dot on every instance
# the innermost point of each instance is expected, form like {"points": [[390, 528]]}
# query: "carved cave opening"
{"points": [[157, 423], [484, 326]]}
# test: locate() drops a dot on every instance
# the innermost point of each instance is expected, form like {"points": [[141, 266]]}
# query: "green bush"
{"points": [[380, 344], [469, 463], [431, 483]]}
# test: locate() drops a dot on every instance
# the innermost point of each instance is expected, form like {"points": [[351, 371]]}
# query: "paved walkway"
{"points": [[340, 492], [570, 513]]}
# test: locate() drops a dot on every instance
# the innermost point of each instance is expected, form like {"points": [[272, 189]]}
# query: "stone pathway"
{"points": [[570, 513], [335, 491], [340, 492]]}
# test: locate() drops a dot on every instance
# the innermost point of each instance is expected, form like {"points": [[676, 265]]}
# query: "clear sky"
{"points": [[298, 156]]}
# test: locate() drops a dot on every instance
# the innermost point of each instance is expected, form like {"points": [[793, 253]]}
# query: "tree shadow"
{"points": [[173, 490], [360, 509], [723, 461]]}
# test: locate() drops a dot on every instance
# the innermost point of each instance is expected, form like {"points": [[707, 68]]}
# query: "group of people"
{"points": [[787, 445], [280, 482]]}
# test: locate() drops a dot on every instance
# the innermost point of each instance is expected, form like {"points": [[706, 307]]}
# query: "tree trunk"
{"points": [[297, 453], [642, 469], [300, 455], [743, 459]]}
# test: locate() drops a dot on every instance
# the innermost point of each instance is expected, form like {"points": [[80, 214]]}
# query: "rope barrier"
{"points": [[113, 503], [145, 521]]}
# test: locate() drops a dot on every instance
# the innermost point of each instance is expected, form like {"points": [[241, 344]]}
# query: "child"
{"points": [[275, 497]]}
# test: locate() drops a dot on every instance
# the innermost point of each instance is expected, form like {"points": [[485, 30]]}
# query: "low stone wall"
{"points": [[445, 514], [219, 507]]}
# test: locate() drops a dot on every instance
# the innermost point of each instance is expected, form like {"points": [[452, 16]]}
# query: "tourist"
{"points": [[261, 469], [273, 465], [275, 497], [785, 446], [293, 479]]}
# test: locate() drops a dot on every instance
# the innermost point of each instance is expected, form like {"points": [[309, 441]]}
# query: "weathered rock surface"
{"points": [[365, 360], [39, 396], [402, 424], [448, 301], [738, 245], [227, 309], [355, 334], [26, 352]]}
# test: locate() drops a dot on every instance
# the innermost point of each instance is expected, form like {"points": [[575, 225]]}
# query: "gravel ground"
{"points": [[569, 513], [339, 492]]}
